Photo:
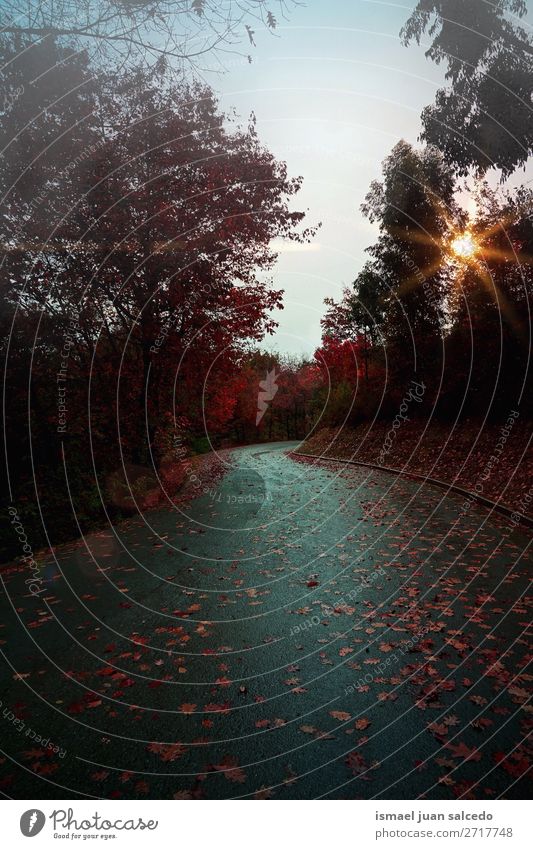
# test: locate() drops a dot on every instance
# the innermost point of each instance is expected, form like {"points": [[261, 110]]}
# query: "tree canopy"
{"points": [[137, 227], [484, 117]]}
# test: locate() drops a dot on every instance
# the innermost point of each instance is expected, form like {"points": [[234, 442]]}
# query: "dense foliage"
{"points": [[137, 220], [483, 118], [460, 324]]}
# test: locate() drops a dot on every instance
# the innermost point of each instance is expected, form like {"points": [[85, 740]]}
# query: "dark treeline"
{"points": [[136, 228], [444, 298]]}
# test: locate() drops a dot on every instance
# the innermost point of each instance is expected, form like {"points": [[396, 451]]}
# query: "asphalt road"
{"points": [[297, 631]]}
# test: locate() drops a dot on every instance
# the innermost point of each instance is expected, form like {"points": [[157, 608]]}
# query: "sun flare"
{"points": [[464, 246]]}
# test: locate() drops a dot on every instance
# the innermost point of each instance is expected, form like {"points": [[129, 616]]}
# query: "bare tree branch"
{"points": [[146, 31]]}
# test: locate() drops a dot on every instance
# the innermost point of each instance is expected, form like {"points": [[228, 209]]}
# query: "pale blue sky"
{"points": [[332, 95]]}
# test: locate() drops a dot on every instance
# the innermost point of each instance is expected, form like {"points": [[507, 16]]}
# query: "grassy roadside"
{"points": [[128, 492]]}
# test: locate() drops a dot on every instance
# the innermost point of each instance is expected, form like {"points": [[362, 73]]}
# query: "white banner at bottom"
{"points": [[258, 824]]}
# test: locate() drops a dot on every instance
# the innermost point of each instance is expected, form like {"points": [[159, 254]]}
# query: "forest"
{"points": [[137, 221]]}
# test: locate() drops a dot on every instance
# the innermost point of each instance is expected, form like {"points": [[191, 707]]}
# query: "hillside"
{"points": [[494, 460]]}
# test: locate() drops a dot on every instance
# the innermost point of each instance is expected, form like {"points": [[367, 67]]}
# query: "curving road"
{"points": [[298, 631]]}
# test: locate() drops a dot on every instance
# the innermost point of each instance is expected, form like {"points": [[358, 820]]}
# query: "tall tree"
{"points": [[487, 351], [189, 207], [415, 209], [138, 268], [484, 118], [359, 314]]}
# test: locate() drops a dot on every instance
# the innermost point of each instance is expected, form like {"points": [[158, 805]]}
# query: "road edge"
{"points": [[450, 487]]}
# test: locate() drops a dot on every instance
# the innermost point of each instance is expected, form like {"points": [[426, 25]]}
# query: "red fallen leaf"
{"points": [[387, 697], [142, 787], [188, 708], [264, 793], [107, 670], [45, 769], [481, 598], [463, 790], [341, 715], [101, 775], [447, 762], [167, 751], [460, 645], [461, 750], [214, 708], [516, 767], [312, 583], [363, 723], [438, 729], [481, 723], [94, 703], [229, 765], [521, 694], [356, 762], [33, 754]]}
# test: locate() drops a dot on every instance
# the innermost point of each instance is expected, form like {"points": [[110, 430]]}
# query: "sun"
{"points": [[464, 246]]}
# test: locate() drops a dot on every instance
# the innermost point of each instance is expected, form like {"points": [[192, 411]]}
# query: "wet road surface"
{"points": [[297, 631]]}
